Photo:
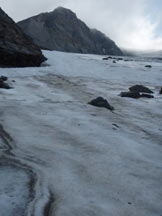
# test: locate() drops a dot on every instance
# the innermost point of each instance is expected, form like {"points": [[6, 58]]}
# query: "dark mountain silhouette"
{"points": [[61, 30], [16, 48]]}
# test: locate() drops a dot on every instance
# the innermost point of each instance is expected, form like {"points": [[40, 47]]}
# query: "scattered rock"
{"points": [[160, 92], [140, 88], [114, 61], [101, 102], [106, 58], [129, 203], [130, 94], [148, 66]]}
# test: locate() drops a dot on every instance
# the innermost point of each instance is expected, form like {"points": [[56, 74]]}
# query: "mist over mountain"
{"points": [[61, 30]]}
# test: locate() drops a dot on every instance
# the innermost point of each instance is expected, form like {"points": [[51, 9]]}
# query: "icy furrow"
{"points": [[21, 191]]}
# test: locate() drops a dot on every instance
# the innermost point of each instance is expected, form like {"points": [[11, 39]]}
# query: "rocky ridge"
{"points": [[61, 30]]}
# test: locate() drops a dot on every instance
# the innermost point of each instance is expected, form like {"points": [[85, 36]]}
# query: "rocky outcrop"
{"points": [[16, 48], [101, 102], [61, 30]]}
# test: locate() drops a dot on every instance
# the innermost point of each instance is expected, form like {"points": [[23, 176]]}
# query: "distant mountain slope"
{"points": [[61, 30], [16, 48]]}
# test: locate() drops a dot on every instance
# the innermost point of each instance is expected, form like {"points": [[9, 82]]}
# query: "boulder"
{"points": [[16, 49], [140, 88], [101, 102], [4, 85], [3, 78], [148, 66], [135, 95], [130, 94]]}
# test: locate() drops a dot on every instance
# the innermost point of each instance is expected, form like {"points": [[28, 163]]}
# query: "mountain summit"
{"points": [[61, 30]]}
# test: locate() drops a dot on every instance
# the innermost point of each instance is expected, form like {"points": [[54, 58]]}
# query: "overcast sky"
{"points": [[134, 24]]}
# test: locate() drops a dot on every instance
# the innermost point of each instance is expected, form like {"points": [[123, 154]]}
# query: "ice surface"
{"points": [[93, 161]]}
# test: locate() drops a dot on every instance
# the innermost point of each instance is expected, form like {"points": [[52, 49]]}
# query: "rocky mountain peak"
{"points": [[61, 30], [63, 11]]}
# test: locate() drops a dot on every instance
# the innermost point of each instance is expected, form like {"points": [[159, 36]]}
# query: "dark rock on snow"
{"points": [[106, 58], [101, 102], [130, 94], [147, 96], [16, 49], [135, 95], [148, 66], [160, 92], [61, 30], [3, 84], [3, 78], [140, 88], [110, 57]]}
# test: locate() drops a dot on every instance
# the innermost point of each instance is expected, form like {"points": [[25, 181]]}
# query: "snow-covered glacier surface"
{"points": [[61, 156]]}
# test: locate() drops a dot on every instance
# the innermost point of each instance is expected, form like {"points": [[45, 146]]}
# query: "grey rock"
{"points": [[130, 94], [4, 85], [16, 49], [140, 88], [61, 30], [135, 95], [148, 66], [101, 102], [3, 78], [146, 95]]}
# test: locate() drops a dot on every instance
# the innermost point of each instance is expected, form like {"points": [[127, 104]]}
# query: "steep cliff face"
{"points": [[16, 48], [61, 30]]}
